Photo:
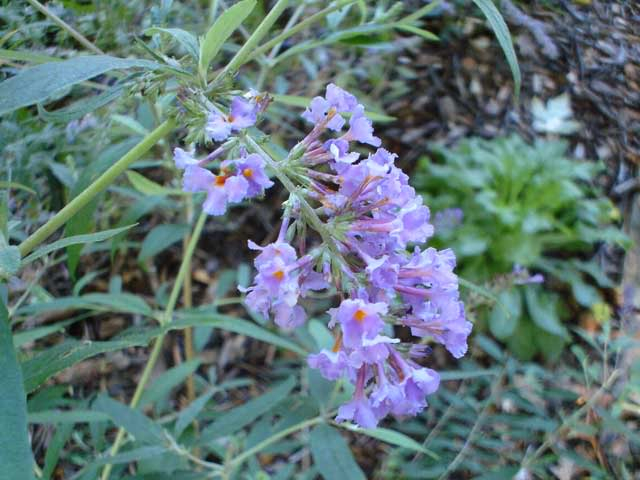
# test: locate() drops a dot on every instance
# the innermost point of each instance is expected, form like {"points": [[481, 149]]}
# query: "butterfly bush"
{"points": [[369, 250]]}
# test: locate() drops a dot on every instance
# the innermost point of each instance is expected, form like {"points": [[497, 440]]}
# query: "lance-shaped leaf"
{"points": [[46, 79], [221, 30], [15, 449]]}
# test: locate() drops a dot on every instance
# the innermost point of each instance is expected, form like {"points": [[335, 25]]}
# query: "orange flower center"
{"points": [[279, 274], [360, 315], [247, 172], [220, 179]]}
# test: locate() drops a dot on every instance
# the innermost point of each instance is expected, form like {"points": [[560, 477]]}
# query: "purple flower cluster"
{"points": [[373, 226], [281, 280], [237, 179]]}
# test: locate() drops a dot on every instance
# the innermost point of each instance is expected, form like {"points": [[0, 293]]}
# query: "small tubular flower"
{"points": [[242, 114]]}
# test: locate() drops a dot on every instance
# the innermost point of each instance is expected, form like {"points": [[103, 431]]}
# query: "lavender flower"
{"points": [[359, 320], [242, 114], [183, 159], [361, 129], [332, 364], [321, 110]]}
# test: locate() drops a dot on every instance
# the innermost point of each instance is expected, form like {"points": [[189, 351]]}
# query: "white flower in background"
{"points": [[554, 117]]}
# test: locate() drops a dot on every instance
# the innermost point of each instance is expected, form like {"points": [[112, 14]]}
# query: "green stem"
{"points": [[265, 66], [101, 183], [307, 209], [184, 268], [252, 42], [157, 346], [238, 460], [297, 28], [567, 422], [65, 26]]}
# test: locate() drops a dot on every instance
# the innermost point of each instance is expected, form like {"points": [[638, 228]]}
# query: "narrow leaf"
{"points": [[170, 379], [221, 30], [67, 416], [160, 238], [134, 455], [239, 417], [15, 451], [55, 359], [504, 39], [392, 437], [74, 240], [54, 447], [46, 79], [190, 413], [81, 107], [427, 35], [148, 187], [133, 421], [331, 455], [236, 325], [188, 41]]}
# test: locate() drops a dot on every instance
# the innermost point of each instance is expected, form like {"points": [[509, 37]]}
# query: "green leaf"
{"points": [[418, 31], [221, 30], [162, 386], [188, 41], [549, 344], [189, 414], [74, 240], [148, 187], [236, 325], [81, 107], [392, 437], [67, 416], [54, 447], [504, 39], [321, 334], [503, 321], [15, 454], [133, 421], [446, 375], [523, 340], [17, 186], [134, 455], [82, 223], [55, 359], [27, 56], [542, 308], [331, 455], [101, 302], [46, 79], [237, 418], [33, 334], [160, 238], [9, 260]]}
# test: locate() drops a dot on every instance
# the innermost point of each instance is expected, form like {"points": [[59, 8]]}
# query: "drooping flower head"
{"points": [[368, 249]]}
